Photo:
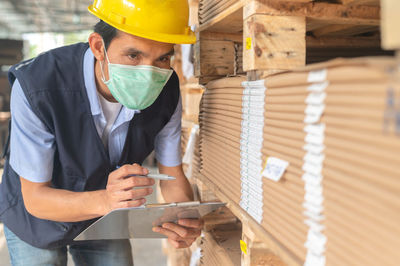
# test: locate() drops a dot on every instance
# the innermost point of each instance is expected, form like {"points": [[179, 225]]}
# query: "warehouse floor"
{"points": [[145, 251]]}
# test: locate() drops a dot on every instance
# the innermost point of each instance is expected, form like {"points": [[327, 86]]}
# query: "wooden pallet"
{"points": [[281, 35], [221, 246], [261, 245]]}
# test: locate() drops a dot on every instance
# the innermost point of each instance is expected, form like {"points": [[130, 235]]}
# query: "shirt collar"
{"points": [[90, 84]]}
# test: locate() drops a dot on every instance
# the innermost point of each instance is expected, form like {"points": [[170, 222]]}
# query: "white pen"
{"points": [[161, 176], [156, 176]]}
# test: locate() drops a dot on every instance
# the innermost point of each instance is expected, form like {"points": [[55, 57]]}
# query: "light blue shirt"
{"points": [[32, 146]]}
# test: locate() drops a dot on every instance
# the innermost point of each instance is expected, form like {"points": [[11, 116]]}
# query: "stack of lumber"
{"points": [[191, 95], [335, 124], [209, 9], [220, 126], [238, 63], [220, 248]]}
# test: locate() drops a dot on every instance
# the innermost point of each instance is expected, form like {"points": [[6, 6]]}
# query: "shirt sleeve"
{"points": [[32, 146], [168, 141]]}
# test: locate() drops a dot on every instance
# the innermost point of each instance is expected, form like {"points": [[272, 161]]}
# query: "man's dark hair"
{"points": [[106, 31]]}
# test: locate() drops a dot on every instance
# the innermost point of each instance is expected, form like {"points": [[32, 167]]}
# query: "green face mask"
{"points": [[135, 87]]}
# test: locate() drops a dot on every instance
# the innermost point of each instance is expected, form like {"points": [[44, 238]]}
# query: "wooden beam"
{"points": [[220, 36], [229, 20], [361, 2], [219, 217], [343, 42], [273, 42], [193, 12], [390, 24], [257, 252], [253, 75], [274, 245], [214, 58], [221, 248], [206, 14], [205, 79], [336, 14], [316, 55], [344, 30]]}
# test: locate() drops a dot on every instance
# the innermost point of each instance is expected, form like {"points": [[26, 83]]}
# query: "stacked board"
{"points": [[337, 126]]}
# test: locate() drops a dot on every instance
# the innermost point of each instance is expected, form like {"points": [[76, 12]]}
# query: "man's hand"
{"points": [[124, 190], [183, 234]]}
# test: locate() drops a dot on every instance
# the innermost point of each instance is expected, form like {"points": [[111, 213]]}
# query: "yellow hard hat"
{"points": [[158, 20]]}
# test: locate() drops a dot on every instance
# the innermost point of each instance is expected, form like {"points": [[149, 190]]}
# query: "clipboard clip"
{"points": [[174, 204]]}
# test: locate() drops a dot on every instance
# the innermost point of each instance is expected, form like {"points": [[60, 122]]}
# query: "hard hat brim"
{"points": [[189, 38]]}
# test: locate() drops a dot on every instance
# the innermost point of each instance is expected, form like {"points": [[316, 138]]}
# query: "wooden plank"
{"points": [[229, 20], [343, 42], [221, 6], [390, 24], [273, 244], [360, 2], [344, 30], [220, 36], [219, 217], [193, 12], [273, 42], [238, 64], [208, 4], [205, 79], [214, 58], [321, 54], [257, 252], [221, 248], [253, 75], [334, 13]]}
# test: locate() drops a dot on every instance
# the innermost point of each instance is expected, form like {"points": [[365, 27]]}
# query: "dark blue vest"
{"points": [[54, 86]]}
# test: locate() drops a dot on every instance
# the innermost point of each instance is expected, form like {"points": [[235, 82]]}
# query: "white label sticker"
{"points": [[312, 179], [313, 158], [316, 129], [316, 98], [312, 169], [275, 168], [317, 76], [315, 226], [316, 149], [318, 87], [314, 259]]}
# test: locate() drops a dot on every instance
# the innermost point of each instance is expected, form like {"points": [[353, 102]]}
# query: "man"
{"points": [[84, 117]]}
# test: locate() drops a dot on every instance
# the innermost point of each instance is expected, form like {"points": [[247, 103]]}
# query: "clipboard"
{"points": [[138, 222]]}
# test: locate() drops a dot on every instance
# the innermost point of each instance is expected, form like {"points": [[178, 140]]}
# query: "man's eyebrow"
{"points": [[170, 53], [135, 51]]}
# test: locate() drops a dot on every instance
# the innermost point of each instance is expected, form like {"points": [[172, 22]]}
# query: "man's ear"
{"points": [[97, 46]]}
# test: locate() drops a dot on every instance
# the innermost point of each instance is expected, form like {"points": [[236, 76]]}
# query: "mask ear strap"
{"points": [[103, 76]]}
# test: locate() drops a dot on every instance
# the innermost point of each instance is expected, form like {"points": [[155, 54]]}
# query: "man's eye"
{"points": [[165, 59], [133, 56]]}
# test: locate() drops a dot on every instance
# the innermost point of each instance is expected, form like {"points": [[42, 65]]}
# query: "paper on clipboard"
{"points": [[138, 222]]}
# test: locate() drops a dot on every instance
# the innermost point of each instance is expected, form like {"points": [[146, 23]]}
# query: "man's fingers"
{"points": [[131, 203], [182, 231], [178, 244], [127, 170], [168, 233], [134, 194], [191, 223], [132, 182]]}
